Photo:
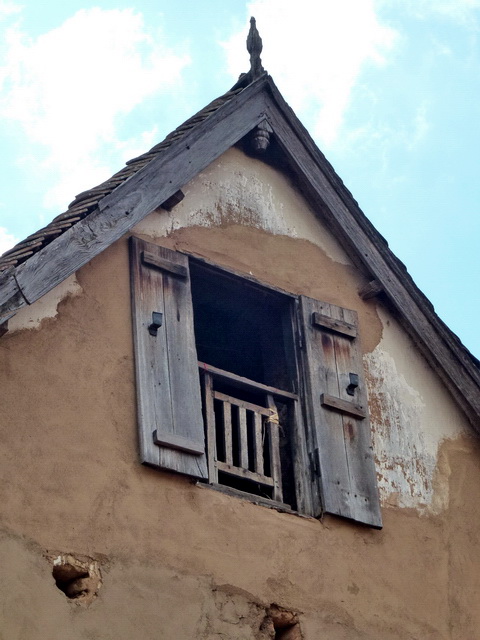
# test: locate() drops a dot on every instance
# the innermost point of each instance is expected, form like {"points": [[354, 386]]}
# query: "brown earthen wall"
{"points": [[184, 562]]}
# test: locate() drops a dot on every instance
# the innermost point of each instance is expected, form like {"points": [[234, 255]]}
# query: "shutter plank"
{"points": [[364, 500], [153, 408], [328, 437], [168, 387], [340, 421]]}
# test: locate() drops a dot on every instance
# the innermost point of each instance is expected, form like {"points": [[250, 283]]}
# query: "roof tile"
{"points": [[85, 202]]}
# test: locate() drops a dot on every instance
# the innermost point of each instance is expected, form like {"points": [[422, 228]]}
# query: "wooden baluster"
{"points": [[227, 432], [243, 439], [258, 442], [210, 427], [274, 446]]}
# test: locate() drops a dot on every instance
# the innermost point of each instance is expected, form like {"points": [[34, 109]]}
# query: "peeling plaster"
{"points": [[239, 190], [411, 415], [30, 317]]}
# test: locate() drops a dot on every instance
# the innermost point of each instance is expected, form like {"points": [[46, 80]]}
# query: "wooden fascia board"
{"points": [[138, 196], [393, 262], [428, 332]]}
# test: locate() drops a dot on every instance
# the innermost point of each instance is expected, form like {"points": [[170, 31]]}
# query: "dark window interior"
{"points": [[242, 327], [246, 329]]}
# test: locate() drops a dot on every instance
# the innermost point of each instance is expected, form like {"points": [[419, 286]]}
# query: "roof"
{"points": [[98, 217], [85, 202]]}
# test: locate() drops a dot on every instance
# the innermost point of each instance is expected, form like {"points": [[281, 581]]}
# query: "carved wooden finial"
{"points": [[254, 48]]}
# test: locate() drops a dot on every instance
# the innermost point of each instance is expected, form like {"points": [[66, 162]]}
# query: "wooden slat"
{"points": [[274, 445], [178, 442], [243, 438], [153, 408], [258, 443], [218, 395], [306, 488], [344, 406], [245, 383], [175, 269], [363, 499], [240, 472], [210, 427], [321, 377], [333, 324], [251, 497], [227, 431]]}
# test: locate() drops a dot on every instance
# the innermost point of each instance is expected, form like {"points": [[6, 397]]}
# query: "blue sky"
{"points": [[389, 89]]}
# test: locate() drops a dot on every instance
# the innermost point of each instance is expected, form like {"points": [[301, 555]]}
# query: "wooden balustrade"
{"points": [[242, 436]]}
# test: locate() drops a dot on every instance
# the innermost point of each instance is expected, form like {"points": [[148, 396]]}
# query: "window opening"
{"points": [[244, 342]]}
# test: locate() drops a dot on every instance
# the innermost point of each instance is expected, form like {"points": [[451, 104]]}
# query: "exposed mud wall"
{"points": [[181, 561]]}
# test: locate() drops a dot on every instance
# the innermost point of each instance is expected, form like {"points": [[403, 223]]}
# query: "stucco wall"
{"points": [[181, 561]]}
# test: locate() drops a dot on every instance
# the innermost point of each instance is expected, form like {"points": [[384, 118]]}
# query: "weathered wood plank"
{"points": [[243, 439], [333, 203], [11, 298], [339, 326], [168, 386], [321, 377], [252, 497], [210, 427], [152, 408], [370, 290], [245, 383], [166, 265], [363, 498], [241, 472], [258, 443], [227, 431], [274, 446], [241, 403], [344, 406], [141, 194], [306, 488], [174, 441]]}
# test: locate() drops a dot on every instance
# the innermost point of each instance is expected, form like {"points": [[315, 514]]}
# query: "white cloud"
{"points": [[7, 240], [8, 8], [316, 52], [462, 11], [69, 88]]}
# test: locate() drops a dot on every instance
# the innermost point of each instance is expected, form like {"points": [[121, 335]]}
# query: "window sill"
{"points": [[251, 497]]}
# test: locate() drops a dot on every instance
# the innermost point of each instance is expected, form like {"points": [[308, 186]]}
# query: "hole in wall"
{"points": [[280, 624], [79, 579]]}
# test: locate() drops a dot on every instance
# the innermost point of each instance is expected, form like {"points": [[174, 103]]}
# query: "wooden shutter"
{"points": [[168, 387], [340, 445]]}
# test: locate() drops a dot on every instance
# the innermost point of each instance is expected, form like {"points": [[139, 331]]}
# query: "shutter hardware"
{"points": [[157, 321], [353, 384]]}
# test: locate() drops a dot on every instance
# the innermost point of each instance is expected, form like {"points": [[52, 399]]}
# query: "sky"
{"points": [[388, 89]]}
